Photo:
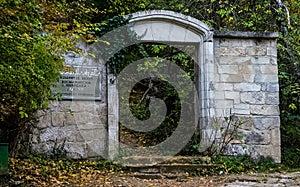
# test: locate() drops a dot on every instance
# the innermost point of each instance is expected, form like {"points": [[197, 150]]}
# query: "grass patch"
{"points": [[239, 165]]}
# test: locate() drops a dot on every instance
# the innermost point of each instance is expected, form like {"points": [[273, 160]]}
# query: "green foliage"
{"points": [[34, 35], [220, 165], [244, 163], [225, 15], [30, 63], [145, 89], [192, 147], [289, 79], [58, 151]]}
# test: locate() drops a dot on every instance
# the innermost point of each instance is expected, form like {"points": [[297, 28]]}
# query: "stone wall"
{"points": [[246, 85], [237, 75], [78, 127]]}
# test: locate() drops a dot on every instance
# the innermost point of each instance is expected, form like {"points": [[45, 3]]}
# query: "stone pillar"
{"points": [[113, 116], [206, 92]]}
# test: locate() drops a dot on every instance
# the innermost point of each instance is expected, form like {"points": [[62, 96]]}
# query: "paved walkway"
{"points": [[272, 180], [240, 180]]}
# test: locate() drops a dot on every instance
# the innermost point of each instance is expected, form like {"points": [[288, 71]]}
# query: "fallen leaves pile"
{"points": [[36, 171]]}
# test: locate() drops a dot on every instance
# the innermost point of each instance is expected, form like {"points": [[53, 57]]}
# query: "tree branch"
{"points": [[280, 4]]}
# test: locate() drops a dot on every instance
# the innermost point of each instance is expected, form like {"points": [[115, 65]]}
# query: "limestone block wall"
{"points": [[78, 127], [246, 85]]}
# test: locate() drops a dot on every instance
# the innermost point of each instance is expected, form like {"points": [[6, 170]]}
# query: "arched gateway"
{"points": [[236, 74], [175, 29]]}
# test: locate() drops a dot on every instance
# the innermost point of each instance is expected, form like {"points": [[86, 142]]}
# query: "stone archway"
{"points": [[170, 27], [237, 74]]}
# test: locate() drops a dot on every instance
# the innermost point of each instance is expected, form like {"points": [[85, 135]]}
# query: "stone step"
{"points": [[154, 160], [167, 168], [172, 167], [158, 175]]}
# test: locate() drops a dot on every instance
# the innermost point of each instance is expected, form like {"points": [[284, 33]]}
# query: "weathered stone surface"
{"points": [[220, 95], [231, 78], [261, 60], [232, 95], [224, 104], [247, 123], [272, 98], [102, 109], [268, 69], [248, 69], [84, 117], [61, 106], [248, 77], [253, 97], [58, 119], [44, 119], [241, 109], [69, 119], [242, 106], [52, 134], [60, 134], [76, 150], [233, 42], [96, 148], [233, 51], [266, 78], [247, 87], [268, 151], [33, 139], [73, 134], [223, 86], [256, 51], [272, 87], [92, 134], [258, 138], [230, 60], [267, 110], [259, 38], [275, 133], [270, 42], [84, 106], [273, 61], [237, 149], [90, 126], [235, 78], [45, 148], [221, 112], [264, 122], [272, 51], [228, 69]]}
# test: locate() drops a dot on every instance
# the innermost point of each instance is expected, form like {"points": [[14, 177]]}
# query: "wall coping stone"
{"points": [[241, 34], [185, 21]]}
